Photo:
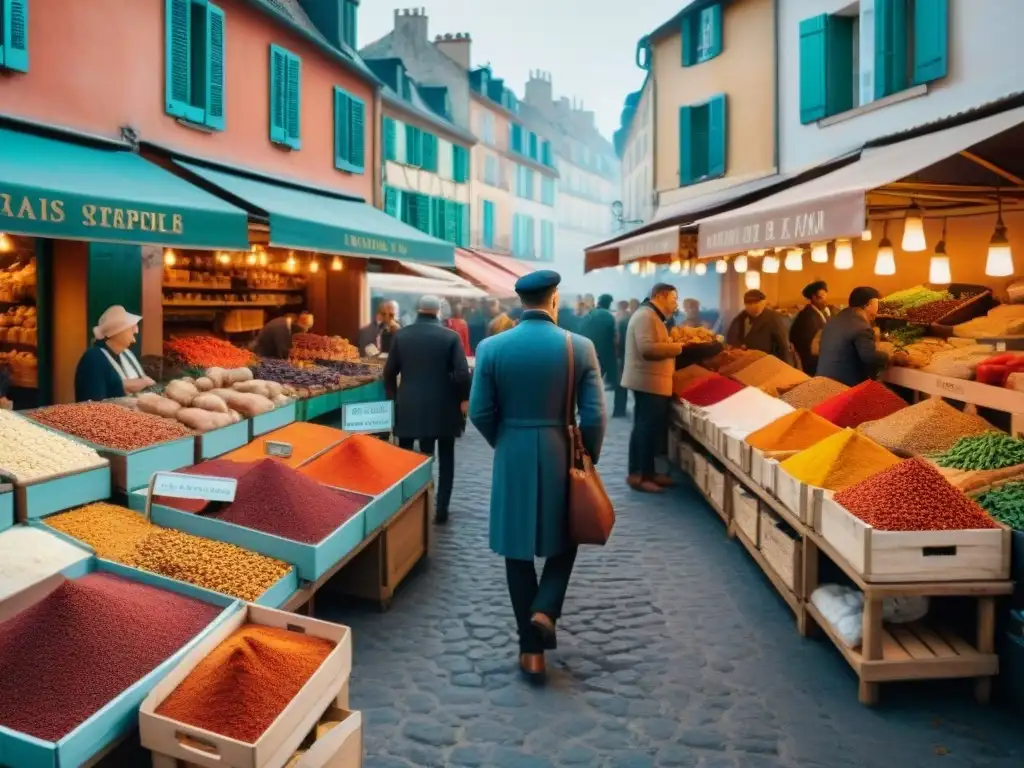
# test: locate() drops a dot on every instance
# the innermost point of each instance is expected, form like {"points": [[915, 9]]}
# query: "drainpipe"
{"points": [[775, 105]]}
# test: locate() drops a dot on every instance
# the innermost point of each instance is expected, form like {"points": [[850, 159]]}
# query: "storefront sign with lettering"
{"points": [[24, 210], [660, 243]]}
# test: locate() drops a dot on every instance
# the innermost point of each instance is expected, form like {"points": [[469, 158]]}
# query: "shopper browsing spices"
{"points": [[275, 338], [108, 368]]}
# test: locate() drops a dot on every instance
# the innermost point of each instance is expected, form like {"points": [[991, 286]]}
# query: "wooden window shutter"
{"points": [[688, 38], [452, 215], [715, 12], [214, 67], [890, 47], [14, 35], [293, 108], [278, 94], [390, 139], [685, 146], [178, 64], [718, 136], [423, 213], [839, 74], [357, 130], [392, 201], [931, 40], [488, 223], [429, 152], [813, 49], [342, 129]]}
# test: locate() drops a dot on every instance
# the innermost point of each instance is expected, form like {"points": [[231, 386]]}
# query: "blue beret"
{"points": [[535, 282]]}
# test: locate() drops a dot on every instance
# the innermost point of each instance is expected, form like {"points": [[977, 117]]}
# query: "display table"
{"points": [[915, 651]]}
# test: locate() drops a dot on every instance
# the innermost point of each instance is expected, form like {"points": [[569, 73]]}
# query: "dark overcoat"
{"points": [[767, 333], [599, 327], [806, 325], [848, 351], [435, 379], [518, 404]]}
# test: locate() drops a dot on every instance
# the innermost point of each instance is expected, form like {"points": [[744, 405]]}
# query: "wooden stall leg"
{"points": [[871, 646], [986, 644], [809, 558]]}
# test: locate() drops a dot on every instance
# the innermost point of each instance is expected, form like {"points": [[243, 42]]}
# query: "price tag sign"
{"points": [[277, 448], [180, 486], [368, 417]]}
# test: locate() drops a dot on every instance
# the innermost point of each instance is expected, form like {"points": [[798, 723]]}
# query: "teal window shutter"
{"points": [[839, 73], [423, 213], [390, 139], [179, 59], [357, 127], [813, 49], [488, 224], [688, 37], [891, 74], [460, 164], [348, 23], [715, 48], [708, 34], [214, 68], [452, 222], [349, 129], [643, 53], [533, 145], [516, 138], [686, 170], [14, 35], [463, 224], [515, 234], [545, 152], [278, 95], [413, 145], [931, 40], [392, 201], [429, 152], [293, 102], [718, 136]]}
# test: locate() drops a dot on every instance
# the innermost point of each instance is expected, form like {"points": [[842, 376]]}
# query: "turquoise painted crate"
{"points": [[274, 597], [275, 419], [6, 507], [319, 405], [120, 715], [130, 470], [384, 507], [311, 561], [46, 496], [417, 480], [217, 442]]}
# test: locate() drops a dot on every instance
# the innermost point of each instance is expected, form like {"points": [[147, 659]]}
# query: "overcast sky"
{"points": [[589, 54]]}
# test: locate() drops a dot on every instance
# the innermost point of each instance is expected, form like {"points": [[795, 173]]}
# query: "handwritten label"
{"points": [[368, 417], [179, 486], [275, 448], [950, 387]]}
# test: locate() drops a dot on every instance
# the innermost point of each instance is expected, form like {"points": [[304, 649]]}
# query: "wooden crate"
{"points": [[686, 457], [745, 514], [175, 741], [737, 451], [914, 556], [336, 742], [782, 552], [716, 487], [700, 470], [792, 493]]}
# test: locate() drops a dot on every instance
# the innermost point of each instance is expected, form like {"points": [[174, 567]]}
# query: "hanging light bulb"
{"points": [[885, 261], [6, 244], [263, 258], [752, 279], [819, 253], [795, 260], [844, 254], [770, 265], [314, 265], [740, 265], [721, 266], [336, 265], [675, 266], [756, 252], [170, 259], [250, 259], [634, 267], [913, 230], [685, 268], [223, 257], [866, 234], [1000, 257], [700, 269], [291, 263]]}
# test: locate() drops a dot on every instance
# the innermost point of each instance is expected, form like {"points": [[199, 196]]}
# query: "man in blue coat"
{"points": [[517, 403]]}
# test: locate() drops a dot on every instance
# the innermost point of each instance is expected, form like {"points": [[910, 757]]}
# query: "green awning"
{"points": [[306, 220], [64, 190]]}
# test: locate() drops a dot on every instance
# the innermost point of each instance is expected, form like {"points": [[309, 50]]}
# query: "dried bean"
{"points": [[813, 392], [913, 496], [111, 426], [312, 377], [29, 452], [1006, 504], [994, 450], [931, 425]]}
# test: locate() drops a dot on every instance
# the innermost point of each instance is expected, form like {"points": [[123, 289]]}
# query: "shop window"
{"points": [[488, 223], [460, 164], [349, 132], [195, 60], [703, 139], [702, 35], [390, 131], [873, 49], [350, 15], [285, 98]]}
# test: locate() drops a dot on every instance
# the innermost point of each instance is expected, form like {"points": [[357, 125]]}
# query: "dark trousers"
{"points": [[649, 437], [445, 465], [529, 597], [621, 393]]}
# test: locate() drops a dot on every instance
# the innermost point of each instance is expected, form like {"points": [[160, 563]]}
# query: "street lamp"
{"points": [[617, 212]]}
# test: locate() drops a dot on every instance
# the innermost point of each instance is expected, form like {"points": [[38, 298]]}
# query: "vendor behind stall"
{"points": [[760, 328], [275, 339], [109, 369], [848, 350], [809, 322]]}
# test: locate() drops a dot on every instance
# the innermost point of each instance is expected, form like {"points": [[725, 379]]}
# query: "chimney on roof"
{"points": [[456, 47], [411, 23], [538, 90]]}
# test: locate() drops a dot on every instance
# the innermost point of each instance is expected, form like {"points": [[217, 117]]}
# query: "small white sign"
{"points": [[368, 417], [181, 486], [277, 448]]}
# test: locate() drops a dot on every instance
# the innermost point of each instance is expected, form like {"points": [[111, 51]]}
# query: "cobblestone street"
{"points": [[674, 651]]}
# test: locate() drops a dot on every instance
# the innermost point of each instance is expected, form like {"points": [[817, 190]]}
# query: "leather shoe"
{"points": [[440, 518], [532, 666], [663, 481], [647, 486], [546, 626]]}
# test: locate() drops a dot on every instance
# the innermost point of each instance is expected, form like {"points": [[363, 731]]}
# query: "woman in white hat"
{"points": [[108, 368]]}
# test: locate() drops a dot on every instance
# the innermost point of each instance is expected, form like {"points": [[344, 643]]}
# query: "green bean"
{"points": [[994, 450], [1006, 504]]}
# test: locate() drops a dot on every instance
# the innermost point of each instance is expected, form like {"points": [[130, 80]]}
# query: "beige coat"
{"points": [[650, 357]]}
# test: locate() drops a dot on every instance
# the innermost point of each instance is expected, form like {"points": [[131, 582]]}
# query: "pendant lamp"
{"points": [[740, 265], [913, 231], [770, 264], [752, 279], [6, 245], [314, 265], [844, 254], [675, 266], [1000, 257], [819, 253], [250, 259], [634, 267], [756, 252], [795, 259], [685, 268], [336, 264], [170, 259], [721, 266], [700, 269], [885, 261], [866, 234], [938, 267]]}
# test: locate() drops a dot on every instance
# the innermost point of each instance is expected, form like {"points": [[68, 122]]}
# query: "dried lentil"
{"points": [[1006, 504], [813, 392], [913, 496], [994, 450], [246, 681], [28, 555], [795, 431], [112, 531], [868, 401], [29, 452], [111, 426], [839, 461], [307, 440], [363, 464], [763, 369], [929, 426], [84, 644], [710, 390]]}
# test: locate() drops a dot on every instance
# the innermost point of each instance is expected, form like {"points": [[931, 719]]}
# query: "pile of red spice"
{"points": [[865, 402], [246, 682], [68, 655], [275, 499], [913, 496], [364, 464], [710, 390]]}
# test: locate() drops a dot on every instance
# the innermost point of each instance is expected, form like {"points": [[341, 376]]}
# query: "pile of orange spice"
{"points": [[795, 431], [246, 682], [307, 441], [363, 464]]}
